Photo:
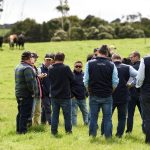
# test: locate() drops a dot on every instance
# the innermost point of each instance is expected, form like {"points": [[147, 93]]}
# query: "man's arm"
{"points": [[86, 75], [115, 79], [141, 74], [29, 77]]}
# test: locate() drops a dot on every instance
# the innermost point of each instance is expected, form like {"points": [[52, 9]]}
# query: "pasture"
{"points": [[39, 138]]}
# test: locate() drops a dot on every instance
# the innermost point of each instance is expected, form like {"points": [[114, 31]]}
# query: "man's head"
{"points": [[49, 59], [26, 57], [34, 57], [95, 51], [134, 57], [103, 51], [116, 58], [78, 66], [59, 57]]}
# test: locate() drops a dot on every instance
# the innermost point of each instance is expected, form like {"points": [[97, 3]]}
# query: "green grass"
{"points": [[39, 138]]}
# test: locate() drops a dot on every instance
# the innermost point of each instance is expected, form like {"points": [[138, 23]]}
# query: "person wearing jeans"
{"points": [[61, 82], [101, 79], [79, 99]]}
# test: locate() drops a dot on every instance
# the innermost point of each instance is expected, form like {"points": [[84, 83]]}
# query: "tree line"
{"points": [[90, 28]]}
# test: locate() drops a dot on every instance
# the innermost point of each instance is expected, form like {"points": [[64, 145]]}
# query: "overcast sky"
{"points": [[44, 10]]}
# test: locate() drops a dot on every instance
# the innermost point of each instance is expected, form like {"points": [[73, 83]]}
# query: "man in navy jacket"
{"points": [[121, 94]]}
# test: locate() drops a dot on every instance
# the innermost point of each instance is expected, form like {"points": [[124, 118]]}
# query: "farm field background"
{"points": [[39, 138]]}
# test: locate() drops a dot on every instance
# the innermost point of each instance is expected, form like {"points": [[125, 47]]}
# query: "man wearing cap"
{"points": [[24, 91], [45, 83]]}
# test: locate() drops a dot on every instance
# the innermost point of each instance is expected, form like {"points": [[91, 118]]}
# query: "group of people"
{"points": [[109, 82]]}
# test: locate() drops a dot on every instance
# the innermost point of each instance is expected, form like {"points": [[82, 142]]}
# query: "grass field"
{"points": [[39, 138]]}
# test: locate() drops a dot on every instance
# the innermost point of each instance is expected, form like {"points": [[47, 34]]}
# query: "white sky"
{"points": [[44, 10]]}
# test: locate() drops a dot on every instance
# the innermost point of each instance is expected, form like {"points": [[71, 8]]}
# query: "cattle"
{"points": [[12, 40], [21, 41], [17, 41], [1, 41]]}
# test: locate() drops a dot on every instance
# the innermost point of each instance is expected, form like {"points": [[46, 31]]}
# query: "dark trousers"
{"points": [[122, 111], [24, 112], [65, 104], [145, 103], [46, 110], [134, 101]]}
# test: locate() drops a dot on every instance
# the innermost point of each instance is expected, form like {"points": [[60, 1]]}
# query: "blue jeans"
{"points": [[122, 111], [134, 101], [96, 103], [83, 107], [65, 104]]}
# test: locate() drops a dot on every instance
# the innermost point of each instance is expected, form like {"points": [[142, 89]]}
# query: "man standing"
{"points": [[143, 81], [45, 82], [80, 97], [121, 94], [134, 94], [24, 91], [101, 79], [61, 80]]}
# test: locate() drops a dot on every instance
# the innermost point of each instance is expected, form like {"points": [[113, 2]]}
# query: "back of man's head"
{"points": [[116, 57], [104, 50], [59, 56]]}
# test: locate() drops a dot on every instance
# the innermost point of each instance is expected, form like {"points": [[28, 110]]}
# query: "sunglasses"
{"points": [[77, 66]]}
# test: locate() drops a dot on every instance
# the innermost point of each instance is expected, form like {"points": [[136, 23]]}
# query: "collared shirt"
{"points": [[141, 74], [115, 79]]}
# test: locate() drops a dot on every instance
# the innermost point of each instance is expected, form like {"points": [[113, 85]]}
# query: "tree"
{"points": [[63, 8]]}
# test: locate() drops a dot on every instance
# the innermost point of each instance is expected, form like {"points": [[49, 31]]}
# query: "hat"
{"points": [[48, 56], [34, 55], [26, 55]]}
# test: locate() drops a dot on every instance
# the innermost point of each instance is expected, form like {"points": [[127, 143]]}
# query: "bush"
{"points": [[105, 35], [60, 34], [92, 33], [77, 33], [56, 38], [138, 34]]}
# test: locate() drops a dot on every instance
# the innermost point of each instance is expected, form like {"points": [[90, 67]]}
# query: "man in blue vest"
{"points": [[121, 94], [101, 79], [143, 82], [134, 94]]}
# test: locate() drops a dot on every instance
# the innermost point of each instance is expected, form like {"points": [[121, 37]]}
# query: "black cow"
{"points": [[20, 41], [1, 41]]}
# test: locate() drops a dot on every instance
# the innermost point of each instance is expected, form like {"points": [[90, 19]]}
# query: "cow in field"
{"points": [[12, 41], [21, 41]]}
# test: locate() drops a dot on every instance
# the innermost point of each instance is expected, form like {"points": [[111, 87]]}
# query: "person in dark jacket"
{"points": [[61, 82], [143, 82], [134, 94], [45, 83], [101, 79], [80, 99], [121, 94], [24, 91]]}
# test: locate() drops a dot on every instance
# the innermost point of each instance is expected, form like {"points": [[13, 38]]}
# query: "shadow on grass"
{"points": [[132, 138], [57, 136], [39, 128], [101, 140]]}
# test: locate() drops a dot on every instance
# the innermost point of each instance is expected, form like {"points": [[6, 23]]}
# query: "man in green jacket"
{"points": [[24, 91]]}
